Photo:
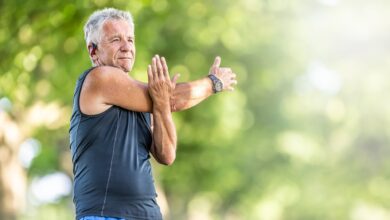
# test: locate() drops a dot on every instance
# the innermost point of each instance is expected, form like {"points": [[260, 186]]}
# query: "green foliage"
{"points": [[304, 136]]}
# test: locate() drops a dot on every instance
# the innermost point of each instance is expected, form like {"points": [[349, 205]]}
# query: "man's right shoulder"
{"points": [[103, 73], [103, 76], [107, 86], [94, 89]]}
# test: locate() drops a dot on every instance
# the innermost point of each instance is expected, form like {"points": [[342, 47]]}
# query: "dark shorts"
{"points": [[100, 218]]}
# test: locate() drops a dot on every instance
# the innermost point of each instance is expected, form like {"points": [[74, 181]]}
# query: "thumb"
{"points": [[217, 61], [174, 79], [150, 75]]}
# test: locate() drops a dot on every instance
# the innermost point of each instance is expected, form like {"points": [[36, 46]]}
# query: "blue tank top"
{"points": [[110, 154]]}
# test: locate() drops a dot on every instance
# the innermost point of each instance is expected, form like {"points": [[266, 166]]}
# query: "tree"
{"points": [[304, 136]]}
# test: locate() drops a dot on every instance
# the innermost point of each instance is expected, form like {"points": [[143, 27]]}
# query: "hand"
{"points": [[161, 87], [225, 74]]}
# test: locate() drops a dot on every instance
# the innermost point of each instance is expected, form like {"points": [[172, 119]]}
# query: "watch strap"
{"points": [[214, 81]]}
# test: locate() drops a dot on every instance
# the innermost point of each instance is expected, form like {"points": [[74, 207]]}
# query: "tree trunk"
{"points": [[12, 175]]}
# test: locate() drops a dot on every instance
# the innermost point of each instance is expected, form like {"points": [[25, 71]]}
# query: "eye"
{"points": [[115, 39]]}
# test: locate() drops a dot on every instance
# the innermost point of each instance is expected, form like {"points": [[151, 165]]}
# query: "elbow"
{"points": [[165, 153], [168, 160], [168, 157]]}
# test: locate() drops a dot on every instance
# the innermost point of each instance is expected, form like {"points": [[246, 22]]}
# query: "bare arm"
{"points": [[161, 88], [106, 86], [187, 95]]}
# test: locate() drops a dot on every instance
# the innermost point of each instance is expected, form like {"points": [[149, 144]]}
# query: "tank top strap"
{"points": [[77, 90]]}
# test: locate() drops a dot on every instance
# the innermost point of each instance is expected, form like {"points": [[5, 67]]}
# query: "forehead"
{"points": [[117, 27]]}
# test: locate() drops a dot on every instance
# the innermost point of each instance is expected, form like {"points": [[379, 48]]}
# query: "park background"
{"points": [[305, 135]]}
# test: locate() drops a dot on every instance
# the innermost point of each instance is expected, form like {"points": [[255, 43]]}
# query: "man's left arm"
{"points": [[167, 96], [164, 137]]}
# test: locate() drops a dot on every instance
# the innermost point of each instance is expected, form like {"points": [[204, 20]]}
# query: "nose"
{"points": [[126, 46]]}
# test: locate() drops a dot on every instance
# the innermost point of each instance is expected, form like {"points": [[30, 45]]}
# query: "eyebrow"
{"points": [[118, 35], [113, 36]]}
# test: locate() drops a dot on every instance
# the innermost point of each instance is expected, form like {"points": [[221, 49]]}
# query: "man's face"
{"points": [[117, 45]]}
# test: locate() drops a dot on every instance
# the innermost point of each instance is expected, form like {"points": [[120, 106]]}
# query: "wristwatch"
{"points": [[217, 83]]}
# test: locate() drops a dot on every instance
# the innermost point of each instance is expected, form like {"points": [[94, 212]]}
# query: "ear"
{"points": [[92, 47]]}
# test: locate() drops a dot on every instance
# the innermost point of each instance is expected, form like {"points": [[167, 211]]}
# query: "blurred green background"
{"points": [[305, 135]]}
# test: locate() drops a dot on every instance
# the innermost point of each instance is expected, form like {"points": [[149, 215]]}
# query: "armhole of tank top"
{"points": [[145, 121], [78, 99]]}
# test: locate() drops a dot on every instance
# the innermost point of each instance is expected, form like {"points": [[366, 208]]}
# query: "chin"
{"points": [[126, 68]]}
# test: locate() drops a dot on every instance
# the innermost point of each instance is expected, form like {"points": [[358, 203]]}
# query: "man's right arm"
{"points": [[106, 86]]}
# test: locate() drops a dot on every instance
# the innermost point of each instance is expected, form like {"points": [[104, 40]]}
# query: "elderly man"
{"points": [[117, 121]]}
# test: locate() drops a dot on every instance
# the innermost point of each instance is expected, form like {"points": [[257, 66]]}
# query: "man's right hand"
{"points": [[225, 74]]}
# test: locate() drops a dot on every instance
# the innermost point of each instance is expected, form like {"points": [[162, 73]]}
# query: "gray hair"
{"points": [[92, 29]]}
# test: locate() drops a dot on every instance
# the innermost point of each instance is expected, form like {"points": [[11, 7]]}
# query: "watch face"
{"points": [[218, 86]]}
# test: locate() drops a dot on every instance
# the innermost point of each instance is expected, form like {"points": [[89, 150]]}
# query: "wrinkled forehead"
{"points": [[117, 27]]}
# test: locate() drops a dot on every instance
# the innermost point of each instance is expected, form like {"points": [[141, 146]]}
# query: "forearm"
{"points": [[189, 94], [164, 135]]}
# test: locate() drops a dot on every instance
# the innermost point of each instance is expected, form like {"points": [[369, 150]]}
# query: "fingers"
{"points": [[154, 68], [165, 68], [225, 70], [217, 62], [160, 86], [232, 84], [160, 70], [228, 78], [230, 87]]}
